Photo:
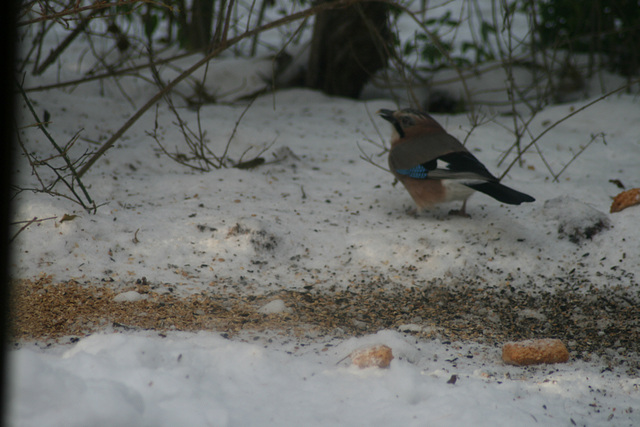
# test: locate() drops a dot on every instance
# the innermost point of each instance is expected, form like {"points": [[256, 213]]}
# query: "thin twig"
{"points": [[565, 118], [367, 158], [98, 5], [383, 144], [27, 224], [110, 73], [582, 149], [215, 52], [256, 158], [55, 53], [438, 44], [60, 150], [225, 32], [263, 9], [235, 128]]}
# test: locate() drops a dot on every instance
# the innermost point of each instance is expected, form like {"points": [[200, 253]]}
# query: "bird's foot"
{"points": [[459, 212], [414, 212]]}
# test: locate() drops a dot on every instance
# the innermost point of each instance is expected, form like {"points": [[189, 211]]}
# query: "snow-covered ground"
{"points": [[205, 380], [316, 215]]}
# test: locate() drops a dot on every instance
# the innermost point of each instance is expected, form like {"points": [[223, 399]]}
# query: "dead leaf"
{"points": [[67, 217]]}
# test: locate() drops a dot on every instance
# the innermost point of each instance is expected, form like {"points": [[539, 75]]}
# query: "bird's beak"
{"points": [[387, 115]]}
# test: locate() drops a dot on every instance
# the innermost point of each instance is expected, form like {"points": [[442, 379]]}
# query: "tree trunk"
{"points": [[348, 47], [200, 25]]}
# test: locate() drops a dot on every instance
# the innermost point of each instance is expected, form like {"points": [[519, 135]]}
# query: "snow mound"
{"points": [[129, 296], [577, 221], [274, 307]]}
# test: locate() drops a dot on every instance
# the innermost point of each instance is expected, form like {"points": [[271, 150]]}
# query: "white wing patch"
{"points": [[441, 164], [455, 190]]}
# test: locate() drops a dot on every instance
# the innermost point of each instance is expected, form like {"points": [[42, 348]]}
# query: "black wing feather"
{"points": [[502, 193], [464, 161]]}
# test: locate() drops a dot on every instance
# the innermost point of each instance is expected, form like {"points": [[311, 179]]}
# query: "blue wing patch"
{"points": [[417, 172]]}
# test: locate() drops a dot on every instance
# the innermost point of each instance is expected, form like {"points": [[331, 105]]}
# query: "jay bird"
{"points": [[435, 167]]}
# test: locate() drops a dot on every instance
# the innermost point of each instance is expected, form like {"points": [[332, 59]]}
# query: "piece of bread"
{"points": [[534, 352], [375, 356]]}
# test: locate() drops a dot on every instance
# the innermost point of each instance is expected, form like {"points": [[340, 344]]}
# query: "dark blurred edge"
{"points": [[7, 83]]}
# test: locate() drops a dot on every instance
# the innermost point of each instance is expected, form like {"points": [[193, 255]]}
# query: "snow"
{"points": [[325, 215], [314, 215], [129, 296], [275, 306], [204, 379], [576, 220]]}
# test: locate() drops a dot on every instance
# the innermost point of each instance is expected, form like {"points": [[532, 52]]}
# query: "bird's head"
{"points": [[405, 119]]}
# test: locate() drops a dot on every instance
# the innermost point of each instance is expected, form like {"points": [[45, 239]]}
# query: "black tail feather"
{"points": [[502, 193]]}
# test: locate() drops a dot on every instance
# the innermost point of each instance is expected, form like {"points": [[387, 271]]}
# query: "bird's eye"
{"points": [[407, 121]]}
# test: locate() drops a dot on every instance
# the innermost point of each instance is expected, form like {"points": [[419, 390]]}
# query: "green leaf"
{"points": [[409, 48], [150, 25], [486, 29], [431, 54]]}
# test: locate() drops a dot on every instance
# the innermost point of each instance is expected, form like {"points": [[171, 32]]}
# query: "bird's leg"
{"points": [[462, 211], [414, 212]]}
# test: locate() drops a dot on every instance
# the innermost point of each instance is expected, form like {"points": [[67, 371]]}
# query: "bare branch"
{"points": [[215, 52], [235, 128], [582, 149], [63, 154], [563, 119], [97, 6], [27, 224]]}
